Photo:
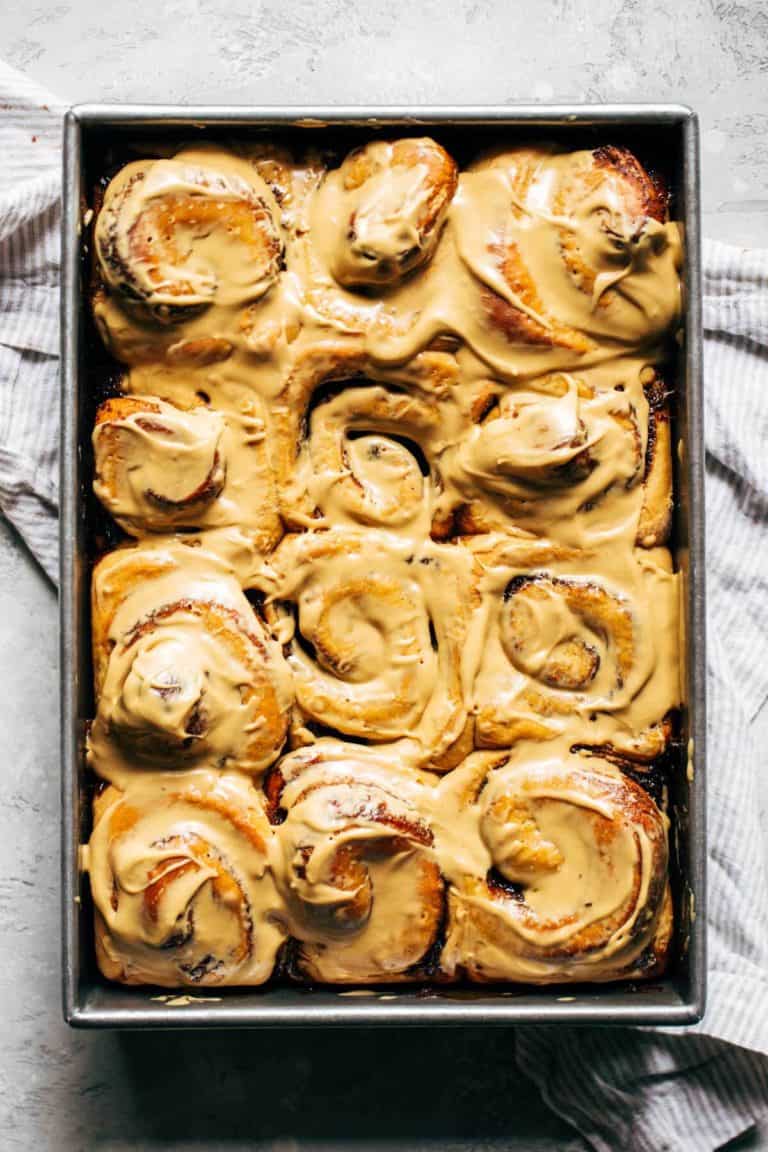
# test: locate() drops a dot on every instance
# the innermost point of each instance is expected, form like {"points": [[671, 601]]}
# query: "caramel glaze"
{"points": [[183, 885], [186, 674], [421, 418], [359, 871], [557, 867]]}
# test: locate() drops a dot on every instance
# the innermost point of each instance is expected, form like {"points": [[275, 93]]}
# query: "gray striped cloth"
{"points": [[629, 1089], [30, 187]]}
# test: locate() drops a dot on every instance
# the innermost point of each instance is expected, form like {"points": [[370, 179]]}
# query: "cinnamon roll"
{"points": [[372, 229], [576, 457], [182, 882], [362, 887], [558, 870], [357, 445], [175, 237], [385, 207], [157, 466], [186, 674], [554, 260], [373, 632], [160, 467], [581, 247], [566, 645]]}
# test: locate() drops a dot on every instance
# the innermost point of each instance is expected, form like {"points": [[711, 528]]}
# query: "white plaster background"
{"points": [[310, 1092]]}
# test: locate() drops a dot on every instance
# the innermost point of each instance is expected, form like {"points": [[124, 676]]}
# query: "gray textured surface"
{"points": [[300, 1091]]}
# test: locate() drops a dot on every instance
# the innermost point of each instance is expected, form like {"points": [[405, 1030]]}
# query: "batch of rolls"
{"points": [[386, 665]]}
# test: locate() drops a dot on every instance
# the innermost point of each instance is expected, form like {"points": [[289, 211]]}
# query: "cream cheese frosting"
{"points": [[398, 632]]}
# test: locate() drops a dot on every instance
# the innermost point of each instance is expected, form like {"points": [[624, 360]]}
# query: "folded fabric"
{"points": [[627, 1089], [30, 191]]}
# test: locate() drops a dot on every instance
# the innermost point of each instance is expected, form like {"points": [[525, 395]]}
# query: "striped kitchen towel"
{"points": [[30, 186], [628, 1089]]}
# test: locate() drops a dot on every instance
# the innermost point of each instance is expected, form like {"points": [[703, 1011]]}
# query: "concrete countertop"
{"points": [[310, 1091]]}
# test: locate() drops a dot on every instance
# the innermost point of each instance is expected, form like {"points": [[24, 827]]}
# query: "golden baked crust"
{"points": [[186, 674], [386, 673], [363, 889], [181, 883], [562, 875]]}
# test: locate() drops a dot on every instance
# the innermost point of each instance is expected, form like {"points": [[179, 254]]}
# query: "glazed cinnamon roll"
{"points": [[357, 868], [558, 870], [373, 632], [160, 467], [154, 235], [186, 674], [581, 247], [565, 645], [576, 457], [371, 231], [385, 208], [356, 445], [182, 882], [554, 260], [157, 467], [175, 237]]}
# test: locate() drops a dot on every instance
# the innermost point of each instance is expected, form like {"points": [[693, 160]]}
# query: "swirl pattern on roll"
{"points": [[577, 236], [568, 647], [568, 456], [157, 465], [186, 673], [151, 235], [189, 254], [558, 870], [363, 888], [160, 466], [358, 446], [372, 652], [182, 882]]}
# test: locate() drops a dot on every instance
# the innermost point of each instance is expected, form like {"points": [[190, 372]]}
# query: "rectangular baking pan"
{"points": [[669, 131]]}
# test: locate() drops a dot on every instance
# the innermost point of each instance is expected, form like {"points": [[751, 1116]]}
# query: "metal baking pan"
{"points": [[89, 1001]]}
